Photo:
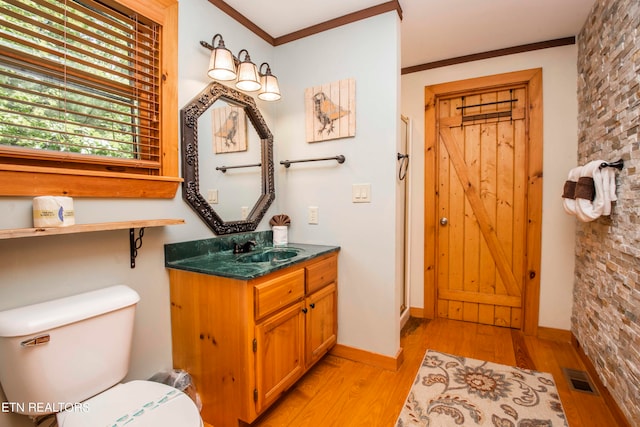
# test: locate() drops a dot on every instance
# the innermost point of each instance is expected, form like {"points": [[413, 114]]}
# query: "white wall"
{"points": [[560, 154], [199, 20], [367, 306]]}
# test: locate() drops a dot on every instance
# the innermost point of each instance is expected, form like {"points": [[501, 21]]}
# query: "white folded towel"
{"points": [[586, 209], [608, 188], [568, 199]]}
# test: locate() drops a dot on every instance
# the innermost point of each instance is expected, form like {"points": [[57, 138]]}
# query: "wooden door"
{"points": [[480, 228], [279, 354]]}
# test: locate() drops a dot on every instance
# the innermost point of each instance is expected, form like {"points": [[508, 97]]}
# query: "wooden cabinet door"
{"points": [[322, 325], [279, 354]]}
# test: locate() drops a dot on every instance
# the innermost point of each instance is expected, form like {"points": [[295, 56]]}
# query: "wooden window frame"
{"points": [[29, 180]]}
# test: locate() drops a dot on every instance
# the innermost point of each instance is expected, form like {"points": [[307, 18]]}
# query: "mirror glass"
{"points": [[227, 159], [227, 140]]}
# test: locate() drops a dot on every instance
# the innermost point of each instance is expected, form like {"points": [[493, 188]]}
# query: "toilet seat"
{"points": [[134, 404]]}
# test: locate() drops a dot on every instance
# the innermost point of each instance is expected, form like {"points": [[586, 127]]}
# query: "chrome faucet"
{"points": [[245, 247]]}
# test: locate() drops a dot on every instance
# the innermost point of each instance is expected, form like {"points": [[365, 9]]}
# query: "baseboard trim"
{"points": [[618, 415], [416, 312], [552, 334], [369, 358]]}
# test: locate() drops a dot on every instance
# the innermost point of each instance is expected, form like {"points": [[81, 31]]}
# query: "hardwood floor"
{"points": [[340, 392]]}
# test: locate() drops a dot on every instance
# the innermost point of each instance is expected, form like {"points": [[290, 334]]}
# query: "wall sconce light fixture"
{"points": [[224, 66], [221, 64]]}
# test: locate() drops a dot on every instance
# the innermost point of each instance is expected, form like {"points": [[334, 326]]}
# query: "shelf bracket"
{"points": [[135, 243]]}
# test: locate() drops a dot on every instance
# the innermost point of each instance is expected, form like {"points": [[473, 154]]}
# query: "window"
{"points": [[87, 98]]}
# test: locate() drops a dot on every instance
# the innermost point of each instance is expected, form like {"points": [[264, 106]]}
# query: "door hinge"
{"points": [[255, 345], [255, 394]]}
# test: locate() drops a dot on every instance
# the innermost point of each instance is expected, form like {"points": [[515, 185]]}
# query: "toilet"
{"points": [[67, 356]]}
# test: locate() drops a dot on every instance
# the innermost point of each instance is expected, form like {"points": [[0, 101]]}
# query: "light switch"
{"points": [[212, 197], [361, 193], [313, 215], [244, 212]]}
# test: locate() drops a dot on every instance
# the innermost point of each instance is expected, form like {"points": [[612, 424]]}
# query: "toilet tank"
{"points": [[64, 351]]}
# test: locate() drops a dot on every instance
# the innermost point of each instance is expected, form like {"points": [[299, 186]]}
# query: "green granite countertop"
{"points": [[215, 256]]}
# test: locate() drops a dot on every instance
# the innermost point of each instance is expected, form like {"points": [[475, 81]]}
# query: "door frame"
{"points": [[406, 206], [533, 80]]}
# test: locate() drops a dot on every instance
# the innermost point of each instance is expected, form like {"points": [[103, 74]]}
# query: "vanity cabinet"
{"points": [[245, 342]]}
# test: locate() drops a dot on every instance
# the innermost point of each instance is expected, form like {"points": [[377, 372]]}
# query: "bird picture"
{"points": [[330, 110], [327, 112], [229, 131]]}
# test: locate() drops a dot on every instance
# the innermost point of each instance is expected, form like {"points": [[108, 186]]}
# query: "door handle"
{"points": [[444, 221]]}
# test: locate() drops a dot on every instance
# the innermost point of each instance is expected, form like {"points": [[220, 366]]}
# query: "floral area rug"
{"points": [[457, 391]]}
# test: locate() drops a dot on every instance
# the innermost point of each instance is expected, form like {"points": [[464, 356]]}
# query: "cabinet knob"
{"points": [[304, 310], [312, 305]]}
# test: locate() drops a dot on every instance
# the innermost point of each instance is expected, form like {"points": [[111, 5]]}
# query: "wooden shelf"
{"points": [[134, 243], [86, 228]]}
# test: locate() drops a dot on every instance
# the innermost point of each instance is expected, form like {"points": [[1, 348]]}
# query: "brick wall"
{"points": [[606, 310]]}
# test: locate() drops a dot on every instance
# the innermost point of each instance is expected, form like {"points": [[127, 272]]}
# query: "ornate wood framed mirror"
{"points": [[236, 171]]}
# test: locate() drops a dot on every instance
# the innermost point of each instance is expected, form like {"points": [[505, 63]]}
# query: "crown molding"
{"points": [[392, 5], [490, 54]]}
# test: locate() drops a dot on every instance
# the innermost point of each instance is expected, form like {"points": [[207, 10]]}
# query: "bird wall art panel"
{"points": [[229, 129], [330, 110]]}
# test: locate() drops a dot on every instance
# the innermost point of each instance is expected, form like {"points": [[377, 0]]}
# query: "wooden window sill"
{"points": [[16, 180]]}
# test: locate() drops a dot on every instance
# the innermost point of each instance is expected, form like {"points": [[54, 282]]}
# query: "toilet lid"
{"points": [[134, 404]]}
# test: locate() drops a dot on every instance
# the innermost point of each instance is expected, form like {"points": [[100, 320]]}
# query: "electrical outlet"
{"points": [[313, 215], [244, 212], [212, 197]]}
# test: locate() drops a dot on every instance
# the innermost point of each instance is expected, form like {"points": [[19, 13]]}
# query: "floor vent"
{"points": [[579, 381]]}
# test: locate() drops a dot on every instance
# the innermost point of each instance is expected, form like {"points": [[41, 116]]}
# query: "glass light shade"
{"points": [[270, 89], [221, 65], [248, 78]]}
